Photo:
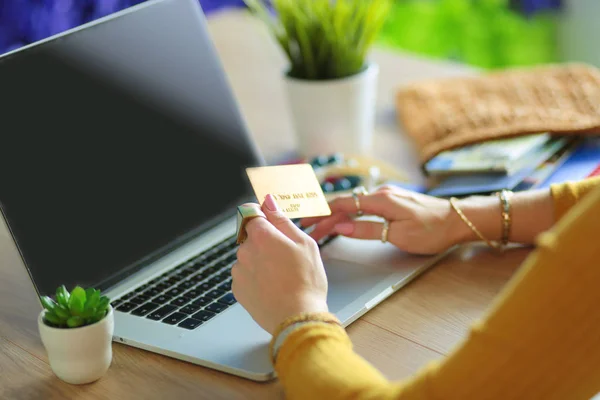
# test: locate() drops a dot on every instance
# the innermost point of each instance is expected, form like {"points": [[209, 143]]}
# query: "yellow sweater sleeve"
{"points": [[539, 340], [566, 195]]}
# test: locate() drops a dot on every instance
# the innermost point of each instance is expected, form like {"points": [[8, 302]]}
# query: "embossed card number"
{"points": [[295, 188]]}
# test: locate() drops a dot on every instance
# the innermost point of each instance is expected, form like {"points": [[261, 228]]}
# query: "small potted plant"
{"points": [[76, 329], [331, 84]]}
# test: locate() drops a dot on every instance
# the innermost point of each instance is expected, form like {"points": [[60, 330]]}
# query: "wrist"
{"points": [[483, 212], [291, 323], [300, 308]]}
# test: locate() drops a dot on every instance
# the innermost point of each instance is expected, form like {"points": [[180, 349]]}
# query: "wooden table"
{"points": [[420, 323]]}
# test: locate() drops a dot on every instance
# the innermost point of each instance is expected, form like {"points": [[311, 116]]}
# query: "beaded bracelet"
{"points": [[324, 317]]}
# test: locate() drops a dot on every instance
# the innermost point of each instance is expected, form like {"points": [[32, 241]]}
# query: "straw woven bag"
{"points": [[452, 112]]}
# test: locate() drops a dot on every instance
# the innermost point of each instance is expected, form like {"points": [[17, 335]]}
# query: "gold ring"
{"points": [[385, 230], [244, 215], [355, 192]]}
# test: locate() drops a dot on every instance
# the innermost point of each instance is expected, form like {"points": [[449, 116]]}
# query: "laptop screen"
{"points": [[117, 142]]}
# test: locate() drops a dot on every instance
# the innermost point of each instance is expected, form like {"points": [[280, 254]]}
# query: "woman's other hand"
{"points": [[279, 272], [418, 223]]}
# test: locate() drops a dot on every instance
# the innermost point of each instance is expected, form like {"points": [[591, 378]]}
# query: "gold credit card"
{"points": [[295, 188]]}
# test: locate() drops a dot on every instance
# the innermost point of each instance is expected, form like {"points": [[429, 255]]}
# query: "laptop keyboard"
{"points": [[191, 293], [188, 295]]}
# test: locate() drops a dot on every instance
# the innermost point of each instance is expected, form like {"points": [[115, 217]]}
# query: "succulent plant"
{"points": [[78, 308]]}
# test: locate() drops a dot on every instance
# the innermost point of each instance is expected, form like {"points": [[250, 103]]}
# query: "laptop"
{"points": [[123, 156]]}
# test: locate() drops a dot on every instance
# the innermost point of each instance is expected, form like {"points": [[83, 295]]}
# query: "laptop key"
{"points": [[186, 285], [174, 292], [225, 275], [193, 293], [141, 299], [225, 286], [128, 296], [145, 309], [152, 292], [180, 277], [162, 299], [228, 299], [161, 312], [190, 309], [202, 301], [216, 280], [216, 307], [202, 258], [141, 288], [204, 286], [162, 286], [174, 318], [127, 307], [197, 278], [225, 261], [203, 315], [197, 266], [171, 281], [181, 301], [215, 294], [190, 323], [117, 303], [179, 268]]}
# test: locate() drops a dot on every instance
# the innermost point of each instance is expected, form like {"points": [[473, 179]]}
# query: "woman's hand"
{"points": [[419, 223], [279, 272]]}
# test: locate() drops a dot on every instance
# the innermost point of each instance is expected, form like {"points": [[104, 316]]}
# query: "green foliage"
{"points": [[78, 308], [324, 39], [484, 33]]}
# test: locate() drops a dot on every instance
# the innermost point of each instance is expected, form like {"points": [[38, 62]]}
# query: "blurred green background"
{"points": [[485, 33]]}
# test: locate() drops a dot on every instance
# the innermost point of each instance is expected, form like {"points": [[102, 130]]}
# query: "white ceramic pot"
{"points": [[334, 115], [79, 355]]}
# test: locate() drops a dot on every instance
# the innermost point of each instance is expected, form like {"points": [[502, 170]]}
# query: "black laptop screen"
{"points": [[99, 168]]}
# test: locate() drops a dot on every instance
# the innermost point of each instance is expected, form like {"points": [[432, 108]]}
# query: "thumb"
{"points": [[279, 220]]}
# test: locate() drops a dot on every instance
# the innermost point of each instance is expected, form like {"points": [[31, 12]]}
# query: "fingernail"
{"points": [[271, 203], [345, 228]]}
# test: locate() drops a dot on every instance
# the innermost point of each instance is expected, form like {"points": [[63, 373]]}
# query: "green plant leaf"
{"points": [[89, 312], [324, 39], [88, 294], [93, 297], [97, 317], [77, 301], [75, 321], [52, 318], [62, 296], [62, 312], [103, 304], [48, 303]]}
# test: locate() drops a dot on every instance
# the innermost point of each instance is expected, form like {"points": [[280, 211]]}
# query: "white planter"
{"points": [[79, 355], [334, 115]]}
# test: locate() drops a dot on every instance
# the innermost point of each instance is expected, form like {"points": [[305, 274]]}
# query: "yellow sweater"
{"points": [[539, 340]]}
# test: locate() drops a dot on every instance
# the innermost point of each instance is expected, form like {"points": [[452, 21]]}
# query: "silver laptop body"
{"points": [[153, 52]]}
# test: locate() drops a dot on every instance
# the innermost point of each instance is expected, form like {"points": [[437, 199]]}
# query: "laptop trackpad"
{"points": [[357, 270]]}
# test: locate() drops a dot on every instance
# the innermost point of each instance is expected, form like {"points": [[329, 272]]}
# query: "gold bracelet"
{"points": [[505, 197], [325, 317], [493, 245]]}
